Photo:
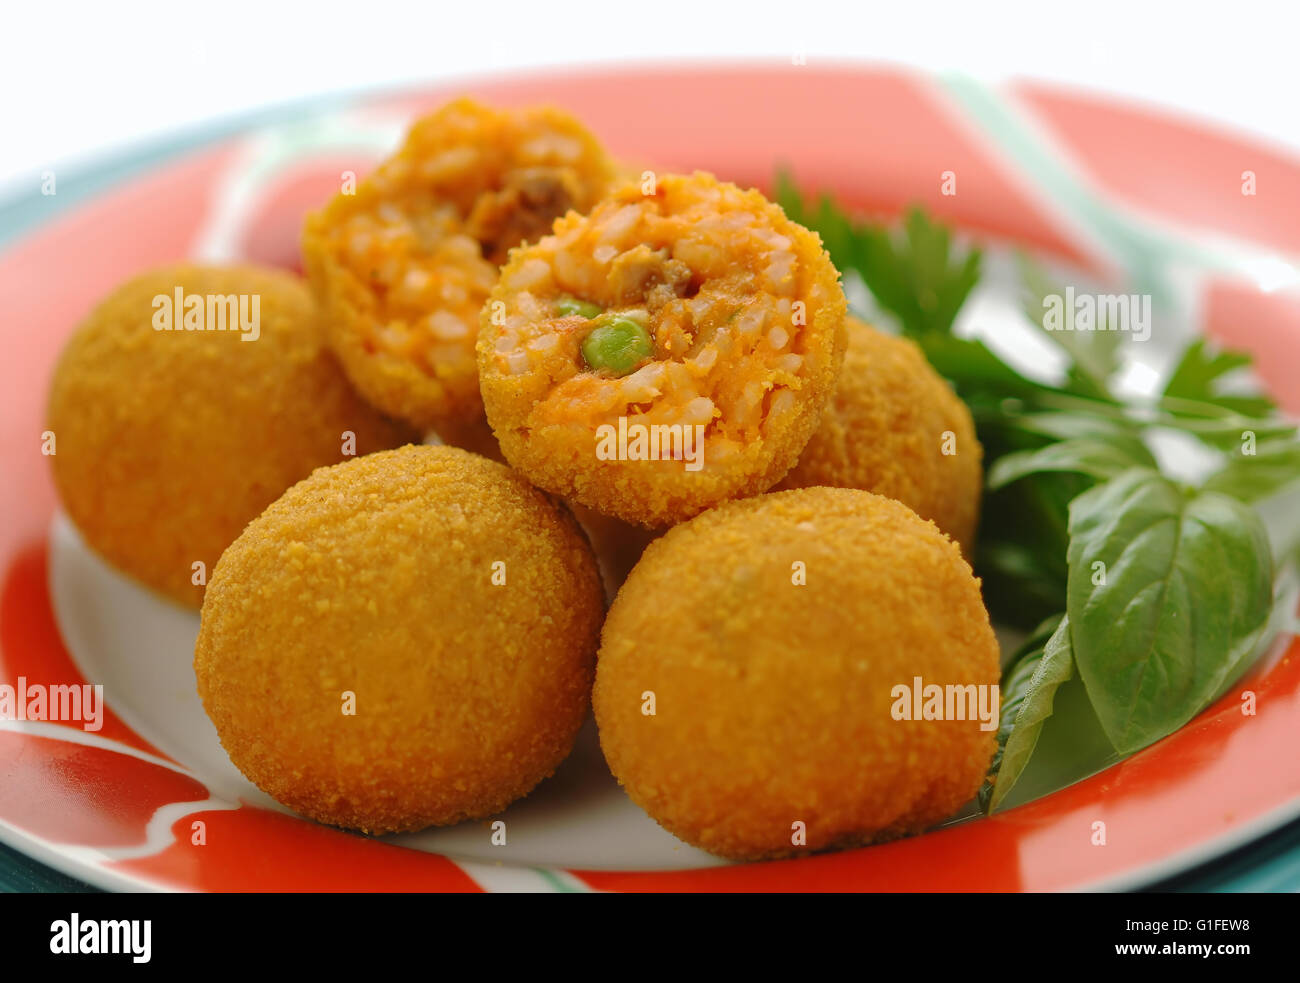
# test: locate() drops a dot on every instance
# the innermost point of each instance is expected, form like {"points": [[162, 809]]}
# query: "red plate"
{"points": [[119, 810]]}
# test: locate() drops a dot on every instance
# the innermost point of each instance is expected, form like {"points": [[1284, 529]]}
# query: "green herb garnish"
{"points": [[1150, 596]]}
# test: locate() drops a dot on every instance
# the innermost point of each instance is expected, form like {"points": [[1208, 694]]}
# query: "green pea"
{"points": [[618, 345], [568, 306]]}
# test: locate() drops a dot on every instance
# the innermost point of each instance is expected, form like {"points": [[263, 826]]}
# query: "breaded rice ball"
{"points": [[401, 641], [169, 438], [664, 353], [896, 428], [616, 544], [403, 265], [768, 636]]}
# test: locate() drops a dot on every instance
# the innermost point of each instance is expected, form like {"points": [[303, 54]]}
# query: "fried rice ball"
{"points": [[896, 428], [666, 352], [402, 265], [169, 441], [456, 606], [747, 669]]}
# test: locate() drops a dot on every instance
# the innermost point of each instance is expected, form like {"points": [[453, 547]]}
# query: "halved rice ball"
{"points": [[670, 350], [402, 266]]}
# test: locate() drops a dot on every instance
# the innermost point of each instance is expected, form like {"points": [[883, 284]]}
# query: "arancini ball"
{"points": [[401, 641], [668, 351], [896, 428], [747, 682], [186, 402], [403, 262]]}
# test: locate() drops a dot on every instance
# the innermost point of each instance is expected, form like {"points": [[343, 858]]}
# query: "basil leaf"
{"points": [[1096, 457], [1071, 746], [1286, 596], [1027, 694], [1182, 592]]}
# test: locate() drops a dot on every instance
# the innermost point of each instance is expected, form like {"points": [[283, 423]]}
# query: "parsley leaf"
{"points": [[913, 271], [1094, 354], [1200, 374]]}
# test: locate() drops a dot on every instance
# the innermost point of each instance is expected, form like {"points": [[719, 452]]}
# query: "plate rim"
{"points": [[220, 132]]}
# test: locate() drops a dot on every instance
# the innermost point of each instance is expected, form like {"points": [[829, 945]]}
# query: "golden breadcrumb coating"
{"points": [[375, 578], [741, 316], [887, 430], [169, 441], [772, 699], [403, 262], [616, 544]]}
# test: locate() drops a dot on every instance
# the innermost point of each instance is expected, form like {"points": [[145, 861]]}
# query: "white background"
{"points": [[79, 80]]}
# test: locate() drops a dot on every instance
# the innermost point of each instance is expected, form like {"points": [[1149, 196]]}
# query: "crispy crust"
{"points": [[773, 701], [375, 577], [169, 442], [716, 273], [884, 432], [402, 266]]}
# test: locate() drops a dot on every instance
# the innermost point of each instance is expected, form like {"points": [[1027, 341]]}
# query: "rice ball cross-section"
{"points": [[403, 262], [668, 351], [750, 675], [401, 641]]}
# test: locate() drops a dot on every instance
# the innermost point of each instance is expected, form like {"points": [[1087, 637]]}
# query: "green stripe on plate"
{"points": [[1144, 249]]}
